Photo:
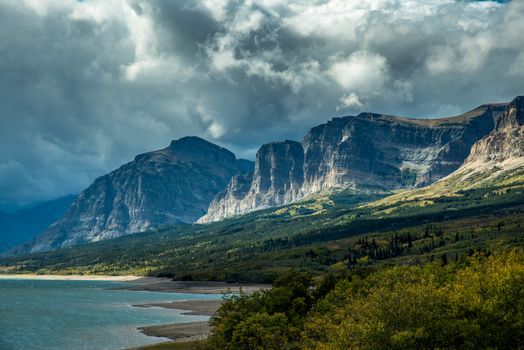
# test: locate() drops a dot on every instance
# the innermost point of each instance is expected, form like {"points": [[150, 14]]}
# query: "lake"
{"points": [[46, 314]]}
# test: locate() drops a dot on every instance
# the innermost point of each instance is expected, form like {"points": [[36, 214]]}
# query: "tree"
{"points": [[444, 259]]}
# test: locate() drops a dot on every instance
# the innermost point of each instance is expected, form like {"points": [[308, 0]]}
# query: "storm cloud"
{"points": [[86, 85]]}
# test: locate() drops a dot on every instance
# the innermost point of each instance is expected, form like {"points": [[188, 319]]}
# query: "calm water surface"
{"points": [[64, 315]]}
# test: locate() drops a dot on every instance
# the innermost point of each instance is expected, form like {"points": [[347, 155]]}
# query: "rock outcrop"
{"points": [[496, 162], [367, 152], [277, 179], [168, 186], [499, 152]]}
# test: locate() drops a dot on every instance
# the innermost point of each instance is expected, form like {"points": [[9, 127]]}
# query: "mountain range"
{"points": [[193, 180], [370, 153]]}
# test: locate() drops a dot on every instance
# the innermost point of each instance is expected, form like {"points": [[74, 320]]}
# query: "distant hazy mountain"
{"points": [[368, 153], [164, 187], [23, 225]]}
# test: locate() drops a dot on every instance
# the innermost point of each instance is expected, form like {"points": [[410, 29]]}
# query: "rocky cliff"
{"points": [[495, 162], [499, 152], [168, 186], [277, 179], [367, 152]]}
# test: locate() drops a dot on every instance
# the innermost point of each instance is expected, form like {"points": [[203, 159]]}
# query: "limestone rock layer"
{"points": [[368, 152]]}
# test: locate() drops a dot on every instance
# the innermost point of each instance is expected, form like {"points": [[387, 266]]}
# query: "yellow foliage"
{"points": [[480, 305]]}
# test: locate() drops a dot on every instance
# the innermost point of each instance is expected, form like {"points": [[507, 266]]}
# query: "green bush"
{"points": [[269, 319], [475, 303]]}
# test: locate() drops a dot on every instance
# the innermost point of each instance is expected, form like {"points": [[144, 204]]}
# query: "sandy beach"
{"points": [[151, 284], [183, 332], [179, 332], [74, 277]]}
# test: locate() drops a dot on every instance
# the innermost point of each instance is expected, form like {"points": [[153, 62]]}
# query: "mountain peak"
{"points": [[191, 140], [505, 144], [163, 187], [514, 115], [197, 148]]}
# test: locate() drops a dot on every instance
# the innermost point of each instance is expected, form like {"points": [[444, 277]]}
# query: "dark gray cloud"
{"points": [[84, 86]]}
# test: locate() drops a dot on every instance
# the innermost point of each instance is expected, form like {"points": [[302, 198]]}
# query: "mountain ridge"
{"points": [[168, 186], [193, 180], [495, 160], [341, 154]]}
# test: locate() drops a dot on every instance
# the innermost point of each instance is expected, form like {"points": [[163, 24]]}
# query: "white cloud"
{"points": [[361, 71], [351, 101], [216, 130], [101, 80], [217, 8]]}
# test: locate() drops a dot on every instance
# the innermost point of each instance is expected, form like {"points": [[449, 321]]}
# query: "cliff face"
{"points": [[368, 151], [391, 152], [496, 161], [277, 179], [169, 186], [503, 148]]}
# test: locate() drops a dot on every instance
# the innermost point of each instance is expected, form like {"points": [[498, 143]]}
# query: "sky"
{"points": [[87, 85]]}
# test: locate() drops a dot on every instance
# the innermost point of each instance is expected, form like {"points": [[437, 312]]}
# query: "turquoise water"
{"points": [[66, 315]]}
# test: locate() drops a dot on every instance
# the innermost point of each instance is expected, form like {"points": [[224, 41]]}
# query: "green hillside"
{"points": [[328, 233]]}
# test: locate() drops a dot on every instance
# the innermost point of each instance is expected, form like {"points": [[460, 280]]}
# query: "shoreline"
{"points": [[28, 276], [186, 331], [193, 307], [155, 284], [187, 334], [178, 332], [182, 333], [150, 284]]}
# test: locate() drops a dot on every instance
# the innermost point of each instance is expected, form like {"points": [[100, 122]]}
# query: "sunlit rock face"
{"points": [[366, 152], [391, 152], [277, 179], [168, 186], [503, 148]]}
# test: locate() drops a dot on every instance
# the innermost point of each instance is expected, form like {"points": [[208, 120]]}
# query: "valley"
{"points": [[261, 175], [311, 246]]}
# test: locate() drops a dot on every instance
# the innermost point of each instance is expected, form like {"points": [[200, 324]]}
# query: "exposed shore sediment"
{"points": [[74, 277]]}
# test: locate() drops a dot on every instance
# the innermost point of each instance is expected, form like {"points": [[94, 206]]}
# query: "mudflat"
{"points": [[154, 284], [179, 331], [189, 307], [187, 332]]}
